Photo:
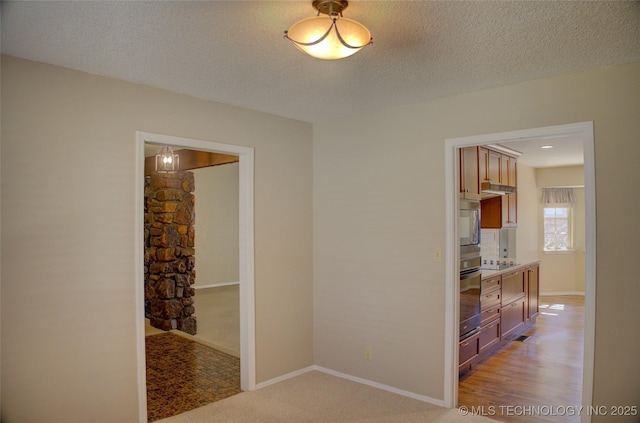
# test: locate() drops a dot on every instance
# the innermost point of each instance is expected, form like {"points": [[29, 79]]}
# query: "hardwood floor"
{"points": [[539, 379]]}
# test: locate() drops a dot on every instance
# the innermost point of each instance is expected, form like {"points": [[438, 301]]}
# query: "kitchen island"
{"points": [[509, 298]]}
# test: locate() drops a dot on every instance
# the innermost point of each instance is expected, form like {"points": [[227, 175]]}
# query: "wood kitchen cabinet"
{"points": [[480, 165], [509, 172], [483, 165], [490, 306], [469, 179], [495, 167], [490, 336], [499, 212], [513, 317], [469, 351], [500, 167], [533, 292], [509, 215], [509, 304], [513, 285]]}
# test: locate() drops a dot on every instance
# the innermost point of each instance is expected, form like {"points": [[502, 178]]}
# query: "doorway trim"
{"points": [[246, 255], [585, 131]]}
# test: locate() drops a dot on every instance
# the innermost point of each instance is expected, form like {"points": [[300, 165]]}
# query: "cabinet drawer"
{"points": [[491, 283], [490, 299], [489, 335], [513, 285], [469, 349], [490, 314]]}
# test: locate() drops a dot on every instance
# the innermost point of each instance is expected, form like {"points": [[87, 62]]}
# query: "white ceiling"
{"points": [[565, 151], [234, 51]]}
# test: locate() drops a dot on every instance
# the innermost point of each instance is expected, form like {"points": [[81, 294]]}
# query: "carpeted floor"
{"points": [[183, 374], [317, 397]]}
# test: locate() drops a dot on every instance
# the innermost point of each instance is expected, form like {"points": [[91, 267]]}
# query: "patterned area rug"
{"points": [[183, 375]]}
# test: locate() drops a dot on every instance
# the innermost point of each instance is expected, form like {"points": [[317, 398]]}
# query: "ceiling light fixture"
{"points": [[546, 146], [329, 37], [167, 160]]}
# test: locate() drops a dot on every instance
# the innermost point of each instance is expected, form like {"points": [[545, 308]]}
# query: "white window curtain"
{"points": [[558, 197]]}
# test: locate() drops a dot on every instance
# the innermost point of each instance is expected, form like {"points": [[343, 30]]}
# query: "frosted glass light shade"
{"points": [[329, 38]]}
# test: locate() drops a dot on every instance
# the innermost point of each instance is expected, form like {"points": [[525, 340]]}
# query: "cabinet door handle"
{"points": [[464, 344], [490, 326]]}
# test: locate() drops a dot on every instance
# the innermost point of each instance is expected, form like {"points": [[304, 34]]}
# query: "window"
{"points": [[557, 229]]}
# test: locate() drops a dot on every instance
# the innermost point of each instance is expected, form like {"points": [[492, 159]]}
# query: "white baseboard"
{"points": [[285, 377], [367, 382], [382, 386], [215, 285], [548, 294]]}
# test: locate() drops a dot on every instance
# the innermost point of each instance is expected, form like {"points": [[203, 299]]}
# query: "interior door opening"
{"points": [[583, 130], [243, 244]]}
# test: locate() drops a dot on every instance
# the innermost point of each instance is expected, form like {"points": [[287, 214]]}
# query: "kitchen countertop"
{"points": [[487, 273]]}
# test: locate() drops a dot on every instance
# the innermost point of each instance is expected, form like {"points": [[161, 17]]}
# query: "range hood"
{"points": [[488, 190]]}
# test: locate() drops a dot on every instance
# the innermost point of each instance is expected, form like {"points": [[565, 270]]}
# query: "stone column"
{"points": [[169, 250]]}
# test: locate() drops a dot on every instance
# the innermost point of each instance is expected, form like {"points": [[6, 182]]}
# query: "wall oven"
{"points": [[470, 273], [470, 276]]}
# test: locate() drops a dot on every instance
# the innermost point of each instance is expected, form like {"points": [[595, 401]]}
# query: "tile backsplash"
{"points": [[490, 243]]}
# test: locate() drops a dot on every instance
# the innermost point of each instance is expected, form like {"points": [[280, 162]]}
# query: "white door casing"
{"points": [[246, 255], [583, 130]]}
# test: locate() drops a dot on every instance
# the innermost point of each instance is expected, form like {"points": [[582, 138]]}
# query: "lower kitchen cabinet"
{"points": [[490, 314], [533, 289], [489, 336], [469, 352], [513, 285], [513, 317], [509, 304]]}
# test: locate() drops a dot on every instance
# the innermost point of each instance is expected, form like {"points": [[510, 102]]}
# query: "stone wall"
{"points": [[169, 254]]}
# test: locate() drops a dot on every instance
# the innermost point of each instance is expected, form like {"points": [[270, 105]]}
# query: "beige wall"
{"points": [[527, 232], [563, 273], [68, 294], [562, 176], [379, 214], [217, 242]]}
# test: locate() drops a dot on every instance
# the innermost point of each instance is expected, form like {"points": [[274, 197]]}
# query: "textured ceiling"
{"points": [[234, 52]]}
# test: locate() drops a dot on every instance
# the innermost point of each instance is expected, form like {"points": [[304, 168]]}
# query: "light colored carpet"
{"points": [[317, 397]]}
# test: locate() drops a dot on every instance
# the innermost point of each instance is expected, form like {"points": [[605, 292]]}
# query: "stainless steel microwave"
{"points": [[469, 226]]}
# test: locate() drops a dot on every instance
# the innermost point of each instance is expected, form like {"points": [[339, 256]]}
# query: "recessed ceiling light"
{"points": [[546, 146]]}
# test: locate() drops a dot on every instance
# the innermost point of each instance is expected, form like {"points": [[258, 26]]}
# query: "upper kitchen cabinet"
{"points": [[496, 167], [469, 179], [486, 172], [499, 212], [510, 165], [483, 165], [510, 210]]}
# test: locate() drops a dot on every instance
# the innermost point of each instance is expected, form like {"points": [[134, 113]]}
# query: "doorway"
{"points": [[246, 254], [583, 130]]}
